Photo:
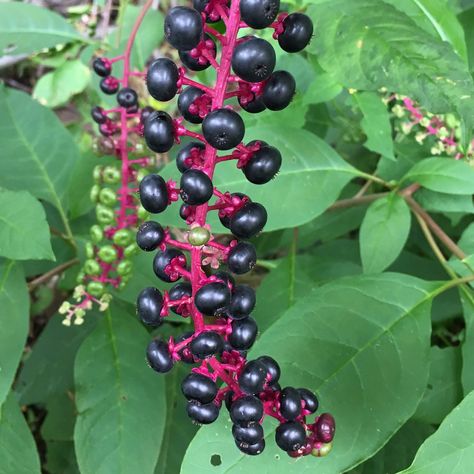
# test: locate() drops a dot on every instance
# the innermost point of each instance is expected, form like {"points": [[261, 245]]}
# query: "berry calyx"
{"points": [[162, 264], [223, 129], [185, 156], [178, 292], [183, 28], [254, 60], [186, 101], [194, 59]]}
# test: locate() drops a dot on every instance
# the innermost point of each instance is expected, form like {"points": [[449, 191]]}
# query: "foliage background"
{"points": [[360, 297]]}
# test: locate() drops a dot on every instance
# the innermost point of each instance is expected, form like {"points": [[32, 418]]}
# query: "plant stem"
{"points": [[53, 272]]}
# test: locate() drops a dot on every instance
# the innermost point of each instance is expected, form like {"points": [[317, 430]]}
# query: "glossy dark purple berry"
{"points": [[186, 100], [259, 14], [254, 106], [273, 369], [206, 344], [298, 30], [149, 306], [253, 60], [109, 85], [204, 414], [179, 291], [325, 428], [310, 400], [253, 376], [213, 298], [242, 258], [185, 211], [183, 28], [158, 356], [199, 387], [145, 113], [290, 436], [223, 129], [182, 158], [198, 64], [159, 132], [250, 434], [127, 98], [98, 115], [245, 410], [242, 302], [162, 260], [243, 335], [162, 79], [290, 403], [195, 187], [150, 235], [227, 278], [251, 449], [263, 166], [279, 90], [248, 221], [102, 67], [153, 193]]}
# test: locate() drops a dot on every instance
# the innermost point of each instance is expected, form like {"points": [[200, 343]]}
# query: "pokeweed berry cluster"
{"points": [[219, 307]]}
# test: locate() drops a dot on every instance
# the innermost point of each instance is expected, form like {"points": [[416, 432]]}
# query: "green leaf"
{"points": [[57, 87], [39, 152], [14, 321], [59, 422], [25, 28], [444, 175], [17, 446], [467, 301], [362, 344], [444, 389], [383, 232], [376, 123], [442, 202], [25, 232], [451, 448], [370, 44], [120, 401], [310, 180], [323, 89]]}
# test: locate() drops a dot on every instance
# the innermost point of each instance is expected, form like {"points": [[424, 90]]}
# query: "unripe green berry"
{"points": [[94, 193], [108, 197], [142, 213], [451, 121], [111, 175], [104, 214], [96, 288], [142, 172], [97, 174], [89, 250], [122, 285], [97, 234], [91, 267], [123, 237], [199, 236], [80, 277], [124, 268], [131, 250], [107, 253], [322, 450], [139, 148]]}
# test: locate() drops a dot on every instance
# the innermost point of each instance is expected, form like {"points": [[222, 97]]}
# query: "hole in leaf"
{"points": [[9, 48], [277, 457], [216, 460]]}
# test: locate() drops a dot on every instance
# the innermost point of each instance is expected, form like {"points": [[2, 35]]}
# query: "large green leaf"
{"points": [[27, 28], [310, 180], [14, 321], [384, 232], [120, 401], [362, 343], [370, 44], [24, 232], [451, 448], [38, 152]]}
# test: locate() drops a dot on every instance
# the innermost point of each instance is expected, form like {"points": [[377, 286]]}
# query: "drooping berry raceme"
{"points": [[219, 307]]}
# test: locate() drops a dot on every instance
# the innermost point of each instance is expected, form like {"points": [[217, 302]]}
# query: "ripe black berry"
{"points": [[290, 436], [279, 90], [199, 387], [162, 79], [127, 97], [203, 414], [227, 278], [179, 291], [263, 166], [206, 345], [109, 85], [259, 14], [252, 378], [153, 193], [98, 115], [242, 302], [102, 67], [248, 221], [251, 434], [163, 260], [325, 428], [244, 333], [273, 369], [197, 64], [225, 220], [297, 33], [185, 211], [158, 356], [145, 113], [196, 187], [149, 305], [253, 60], [212, 299], [254, 106], [246, 410], [186, 99], [185, 353], [290, 403], [150, 235], [183, 28], [223, 129], [310, 400], [159, 132], [242, 258], [251, 449], [185, 152]]}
